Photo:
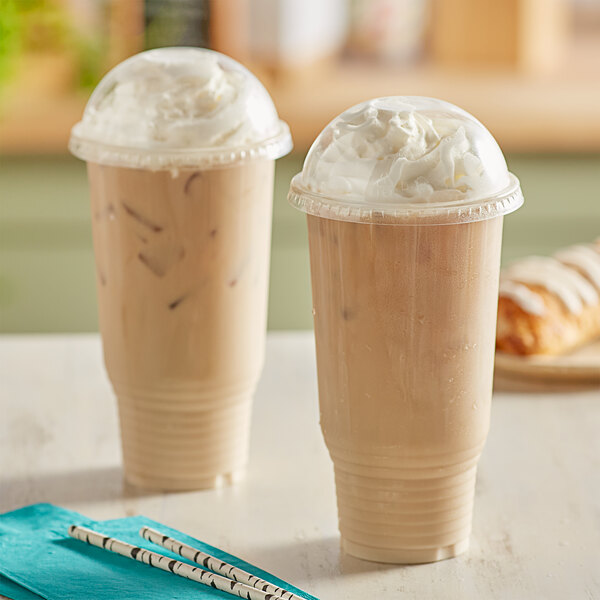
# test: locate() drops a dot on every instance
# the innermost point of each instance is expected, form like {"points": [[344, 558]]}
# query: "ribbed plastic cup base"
{"points": [[174, 445], [406, 516], [404, 557]]}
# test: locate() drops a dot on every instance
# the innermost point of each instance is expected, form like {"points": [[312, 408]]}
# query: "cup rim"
{"points": [[338, 208], [113, 155]]}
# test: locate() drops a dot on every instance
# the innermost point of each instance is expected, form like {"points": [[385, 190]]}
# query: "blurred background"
{"points": [[529, 69]]}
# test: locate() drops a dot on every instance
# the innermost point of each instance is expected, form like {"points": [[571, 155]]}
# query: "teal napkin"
{"points": [[37, 554], [27, 519], [14, 591]]}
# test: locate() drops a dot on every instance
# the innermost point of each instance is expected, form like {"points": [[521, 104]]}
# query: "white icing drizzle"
{"points": [[572, 289], [583, 258], [521, 295]]}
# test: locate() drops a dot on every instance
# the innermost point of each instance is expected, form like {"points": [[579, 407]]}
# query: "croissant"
{"points": [[550, 305]]}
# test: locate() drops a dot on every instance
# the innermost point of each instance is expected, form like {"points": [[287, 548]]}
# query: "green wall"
{"points": [[46, 263]]}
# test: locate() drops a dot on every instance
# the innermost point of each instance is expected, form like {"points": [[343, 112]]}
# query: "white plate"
{"points": [[581, 365]]}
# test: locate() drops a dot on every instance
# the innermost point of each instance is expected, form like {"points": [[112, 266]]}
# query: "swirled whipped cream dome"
{"points": [[171, 100], [405, 149]]}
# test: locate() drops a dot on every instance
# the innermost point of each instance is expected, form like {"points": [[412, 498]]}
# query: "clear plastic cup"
{"points": [[405, 266], [180, 145]]}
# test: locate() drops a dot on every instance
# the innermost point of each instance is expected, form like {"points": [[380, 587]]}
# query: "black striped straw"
{"points": [[170, 565], [214, 564]]}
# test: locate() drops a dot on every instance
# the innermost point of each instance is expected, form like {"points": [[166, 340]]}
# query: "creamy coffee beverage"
{"points": [[182, 293], [404, 326], [405, 198], [180, 145]]}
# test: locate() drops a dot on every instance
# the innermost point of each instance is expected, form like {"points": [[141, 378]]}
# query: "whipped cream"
{"points": [[178, 99], [405, 150]]}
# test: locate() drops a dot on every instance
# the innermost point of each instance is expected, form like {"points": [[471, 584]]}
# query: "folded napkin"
{"points": [[14, 591], [37, 554]]}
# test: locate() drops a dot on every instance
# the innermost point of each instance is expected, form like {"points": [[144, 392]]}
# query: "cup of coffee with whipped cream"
{"points": [[180, 146], [405, 198]]}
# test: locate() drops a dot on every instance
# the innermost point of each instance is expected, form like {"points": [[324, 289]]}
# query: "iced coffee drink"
{"points": [[180, 145], [405, 198]]}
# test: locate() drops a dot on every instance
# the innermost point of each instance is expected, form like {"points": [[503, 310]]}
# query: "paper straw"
{"points": [[168, 564], [214, 564]]}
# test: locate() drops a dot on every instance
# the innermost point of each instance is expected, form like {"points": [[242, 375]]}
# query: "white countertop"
{"points": [[536, 531]]}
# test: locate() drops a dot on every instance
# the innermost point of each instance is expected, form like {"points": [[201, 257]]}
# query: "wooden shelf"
{"points": [[554, 113], [547, 113], [40, 127]]}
